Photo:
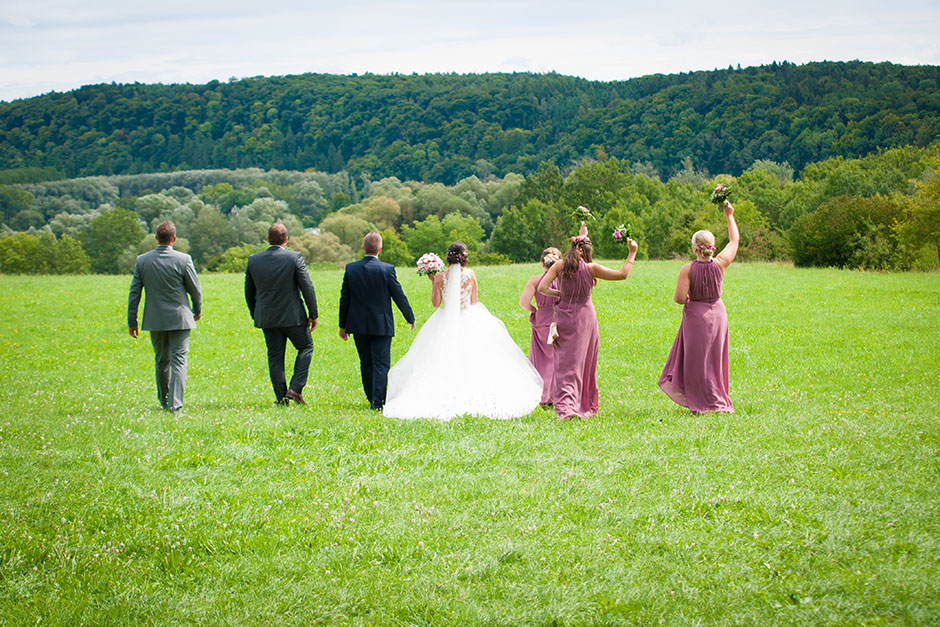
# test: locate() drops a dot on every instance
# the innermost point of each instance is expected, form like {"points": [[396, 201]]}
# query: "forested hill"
{"points": [[444, 127]]}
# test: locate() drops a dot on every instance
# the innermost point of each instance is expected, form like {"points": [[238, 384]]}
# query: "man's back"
{"points": [[275, 280], [369, 286], [167, 276]]}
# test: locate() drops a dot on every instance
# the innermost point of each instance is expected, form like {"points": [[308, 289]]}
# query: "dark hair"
{"points": [[277, 234], [372, 243], [580, 249], [457, 253], [165, 233]]}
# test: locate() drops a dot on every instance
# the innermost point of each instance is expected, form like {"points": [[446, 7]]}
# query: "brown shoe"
{"points": [[296, 397]]}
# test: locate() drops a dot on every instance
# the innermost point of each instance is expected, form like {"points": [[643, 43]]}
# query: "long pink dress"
{"points": [[575, 379], [542, 354], [696, 371]]}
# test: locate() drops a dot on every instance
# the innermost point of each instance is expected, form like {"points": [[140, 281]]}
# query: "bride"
{"points": [[462, 361]]}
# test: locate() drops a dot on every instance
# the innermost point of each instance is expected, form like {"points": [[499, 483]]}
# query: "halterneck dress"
{"points": [[696, 374], [574, 390], [541, 353]]}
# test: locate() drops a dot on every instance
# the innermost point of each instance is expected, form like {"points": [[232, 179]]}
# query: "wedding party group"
{"points": [[479, 368]]}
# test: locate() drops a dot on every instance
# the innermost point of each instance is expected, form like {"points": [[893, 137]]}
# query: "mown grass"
{"points": [[815, 503]]}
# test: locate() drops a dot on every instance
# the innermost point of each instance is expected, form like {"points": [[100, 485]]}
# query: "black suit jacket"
{"points": [[369, 286], [275, 281]]}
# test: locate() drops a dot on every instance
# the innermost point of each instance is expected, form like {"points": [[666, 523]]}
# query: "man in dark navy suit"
{"points": [[365, 312], [275, 281]]}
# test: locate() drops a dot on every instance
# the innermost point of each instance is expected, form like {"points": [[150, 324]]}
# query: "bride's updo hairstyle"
{"points": [[703, 242], [457, 253], [549, 256], [580, 249]]}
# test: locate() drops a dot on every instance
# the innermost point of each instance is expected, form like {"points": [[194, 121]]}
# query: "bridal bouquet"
{"points": [[720, 194], [622, 233], [429, 263], [582, 214]]}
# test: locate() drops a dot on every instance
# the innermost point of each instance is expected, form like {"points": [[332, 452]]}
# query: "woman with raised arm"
{"points": [[696, 374], [541, 316], [574, 390], [463, 361]]}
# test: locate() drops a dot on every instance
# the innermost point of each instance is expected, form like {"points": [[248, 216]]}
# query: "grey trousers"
{"points": [[170, 349]]}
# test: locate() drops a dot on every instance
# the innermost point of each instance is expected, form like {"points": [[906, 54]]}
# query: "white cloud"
{"points": [[63, 44]]}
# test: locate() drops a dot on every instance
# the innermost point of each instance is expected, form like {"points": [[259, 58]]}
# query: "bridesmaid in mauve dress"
{"points": [[575, 377], [696, 372], [541, 353]]}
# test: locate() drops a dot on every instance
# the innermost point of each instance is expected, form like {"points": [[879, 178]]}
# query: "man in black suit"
{"points": [[365, 312], [275, 280]]}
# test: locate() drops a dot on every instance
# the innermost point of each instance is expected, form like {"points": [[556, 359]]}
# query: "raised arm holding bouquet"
{"points": [[696, 374], [574, 389]]}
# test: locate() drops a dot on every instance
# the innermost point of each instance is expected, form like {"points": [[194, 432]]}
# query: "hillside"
{"points": [[445, 127]]}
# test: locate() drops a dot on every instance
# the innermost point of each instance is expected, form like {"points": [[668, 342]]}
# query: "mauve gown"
{"points": [[541, 354], [575, 378], [696, 371]]}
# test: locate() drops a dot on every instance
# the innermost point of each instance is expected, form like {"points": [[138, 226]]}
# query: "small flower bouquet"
{"points": [[429, 263], [720, 194], [622, 233], [582, 214]]}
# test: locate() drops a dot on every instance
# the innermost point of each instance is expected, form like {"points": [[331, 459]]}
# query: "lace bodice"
{"points": [[466, 287]]}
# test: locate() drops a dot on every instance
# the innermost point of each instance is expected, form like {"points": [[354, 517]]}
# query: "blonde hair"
{"points": [[549, 256], [704, 242]]}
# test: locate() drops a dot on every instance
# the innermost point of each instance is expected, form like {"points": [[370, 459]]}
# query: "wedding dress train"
{"points": [[462, 361]]}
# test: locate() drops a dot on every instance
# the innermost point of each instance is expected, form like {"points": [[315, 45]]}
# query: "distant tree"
{"points": [[71, 257], [349, 229], [324, 247], [464, 228], [41, 253], [394, 250], [850, 232], [382, 211], [211, 235], [107, 235], [921, 225], [339, 200], [426, 236], [70, 224], [545, 185], [13, 200], [26, 219], [235, 259], [522, 232]]}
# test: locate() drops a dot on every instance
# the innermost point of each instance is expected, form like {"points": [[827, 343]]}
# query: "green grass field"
{"points": [[817, 502]]}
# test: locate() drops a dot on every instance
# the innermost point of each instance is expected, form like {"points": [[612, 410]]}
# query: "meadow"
{"points": [[816, 503]]}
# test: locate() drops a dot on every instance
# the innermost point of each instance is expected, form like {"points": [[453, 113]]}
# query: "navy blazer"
{"points": [[275, 280], [369, 286]]}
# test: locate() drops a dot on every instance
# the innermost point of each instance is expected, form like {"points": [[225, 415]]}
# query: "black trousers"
{"points": [[375, 358], [276, 340]]}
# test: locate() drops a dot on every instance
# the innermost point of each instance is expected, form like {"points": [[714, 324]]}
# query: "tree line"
{"points": [[880, 212], [446, 127]]}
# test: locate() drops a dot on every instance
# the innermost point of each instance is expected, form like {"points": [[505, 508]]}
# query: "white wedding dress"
{"points": [[462, 361]]}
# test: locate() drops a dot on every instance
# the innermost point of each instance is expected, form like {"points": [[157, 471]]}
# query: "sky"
{"points": [[59, 45]]}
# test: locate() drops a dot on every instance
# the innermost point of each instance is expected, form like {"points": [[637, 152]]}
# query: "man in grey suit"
{"points": [[275, 281], [168, 277]]}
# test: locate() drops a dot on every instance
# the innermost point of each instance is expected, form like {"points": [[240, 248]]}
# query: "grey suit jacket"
{"points": [[167, 276], [275, 281]]}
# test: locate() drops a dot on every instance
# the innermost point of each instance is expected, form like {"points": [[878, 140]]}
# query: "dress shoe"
{"points": [[296, 397]]}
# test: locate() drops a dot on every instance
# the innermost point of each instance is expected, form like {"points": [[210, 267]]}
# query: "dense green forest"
{"points": [[833, 164], [880, 212], [446, 127]]}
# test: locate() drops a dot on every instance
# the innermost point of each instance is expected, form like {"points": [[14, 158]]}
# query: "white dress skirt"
{"points": [[463, 361]]}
